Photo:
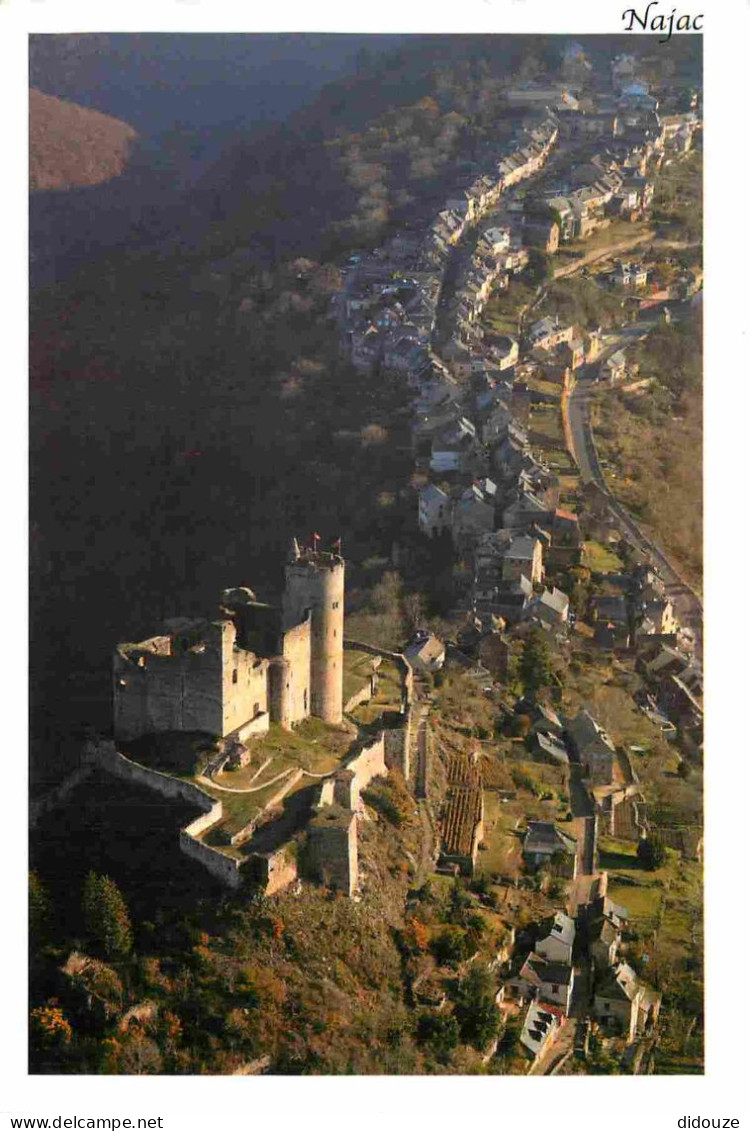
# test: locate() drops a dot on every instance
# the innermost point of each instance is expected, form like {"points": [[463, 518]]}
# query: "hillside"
{"points": [[71, 146]]}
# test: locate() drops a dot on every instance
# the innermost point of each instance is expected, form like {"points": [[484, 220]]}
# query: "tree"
{"points": [[451, 946], [651, 852], [39, 905], [536, 662], [49, 1026], [476, 1012], [106, 915], [441, 1032]]}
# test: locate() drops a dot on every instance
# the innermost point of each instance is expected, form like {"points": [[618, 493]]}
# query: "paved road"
{"points": [[687, 604]]}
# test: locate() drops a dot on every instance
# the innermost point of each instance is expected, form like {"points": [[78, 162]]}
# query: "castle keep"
{"points": [[252, 665]]}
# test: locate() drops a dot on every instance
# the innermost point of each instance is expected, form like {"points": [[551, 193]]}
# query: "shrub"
{"points": [[451, 946], [651, 852]]}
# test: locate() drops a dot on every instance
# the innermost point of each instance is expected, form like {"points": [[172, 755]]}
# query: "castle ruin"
{"points": [[254, 664]]}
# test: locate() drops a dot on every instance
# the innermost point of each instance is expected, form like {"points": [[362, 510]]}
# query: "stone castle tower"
{"points": [[315, 582]]}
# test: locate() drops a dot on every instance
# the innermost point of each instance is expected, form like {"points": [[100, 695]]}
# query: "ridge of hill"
{"points": [[71, 146]]}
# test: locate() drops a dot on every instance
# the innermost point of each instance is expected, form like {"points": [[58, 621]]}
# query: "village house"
{"points": [[508, 454], [542, 233], [614, 369], [593, 748], [494, 651], [523, 557], [551, 608], [506, 599], [452, 446], [474, 511], [524, 507], [435, 509], [556, 938], [655, 618], [425, 652], [604, 939], [544, 719], [546, 846], [629, 275], [548, 333], [541, 980], [541, 1025], [625, 1004], [547, 749]]}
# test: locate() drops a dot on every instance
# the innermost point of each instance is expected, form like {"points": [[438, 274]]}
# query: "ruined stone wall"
{"points": [[244, 683], [226, 869], [280, 692], [41, 805], [364, 695], [397, 740], [406, 674], [178, 692], [296, 650], [273, 871], [214, 690], [316, 582], [368, 762], [332, 849]]}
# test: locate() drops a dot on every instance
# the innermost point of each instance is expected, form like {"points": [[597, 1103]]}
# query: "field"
{"points": [[619, 231], [546, 421], [659, 471], [600, 559], [502, 312], [664, 906]]}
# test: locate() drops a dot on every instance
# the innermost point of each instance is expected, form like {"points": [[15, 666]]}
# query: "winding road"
{"points": [[687, 603]]}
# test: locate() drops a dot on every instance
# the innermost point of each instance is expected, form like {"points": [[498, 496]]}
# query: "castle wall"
{"points": [[406, 674], [316, 582], [246, 832], [332, 849], [279, 692], [368, 763], [257, 725], [181, 692], [223, 867], [296, 650], [244, 683], [274, 871], [397, 739], [214, 688]]}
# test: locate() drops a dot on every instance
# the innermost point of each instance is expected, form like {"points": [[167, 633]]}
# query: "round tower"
{"points": [[315, 581]]}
